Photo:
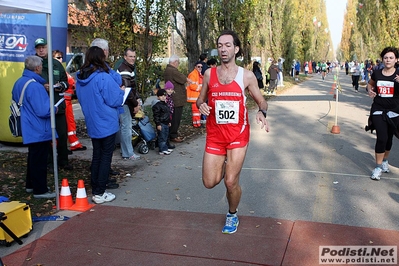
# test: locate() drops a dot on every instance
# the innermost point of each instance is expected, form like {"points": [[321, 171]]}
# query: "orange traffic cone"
{"points": [[81, 202], [65, 196]]}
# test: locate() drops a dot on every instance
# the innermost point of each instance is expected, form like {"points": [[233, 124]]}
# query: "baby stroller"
{"points": [[143, 134]]}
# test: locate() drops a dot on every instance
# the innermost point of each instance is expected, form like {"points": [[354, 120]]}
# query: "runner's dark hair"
{"points": [[236, 40]]}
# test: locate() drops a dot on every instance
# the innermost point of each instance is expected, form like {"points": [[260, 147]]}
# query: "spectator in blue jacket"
{"points": [[103, 44], [35, 125], [100, 97], [297, 70]]}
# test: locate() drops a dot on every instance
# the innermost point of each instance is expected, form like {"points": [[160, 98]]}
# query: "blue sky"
{"points": [[335, 14]]}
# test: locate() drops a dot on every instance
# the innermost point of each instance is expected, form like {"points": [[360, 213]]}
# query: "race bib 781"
{"points": [[385, 88]]}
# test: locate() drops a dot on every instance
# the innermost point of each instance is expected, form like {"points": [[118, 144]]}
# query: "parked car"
{"points": [[75, 63]]}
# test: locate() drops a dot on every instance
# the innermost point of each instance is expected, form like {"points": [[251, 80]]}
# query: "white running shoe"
{"points": [[376, 174], [385, 166], [134, 157], [105, 197]]}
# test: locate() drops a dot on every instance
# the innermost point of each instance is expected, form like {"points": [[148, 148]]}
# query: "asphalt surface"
{"points": [[297, 171]]}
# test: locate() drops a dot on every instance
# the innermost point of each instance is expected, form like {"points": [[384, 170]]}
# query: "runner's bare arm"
{"points": [[370, 88], [251, 84], [201, 101]]}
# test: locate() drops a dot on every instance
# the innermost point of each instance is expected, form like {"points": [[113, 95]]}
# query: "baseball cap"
{"points": [[40, 41], [161, 92]]}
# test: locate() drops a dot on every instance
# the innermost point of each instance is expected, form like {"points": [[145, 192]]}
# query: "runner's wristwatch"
{"points": [[264, 112]]}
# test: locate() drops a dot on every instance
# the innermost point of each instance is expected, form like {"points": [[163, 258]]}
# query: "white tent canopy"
{"points": [[44, 7], [26, 6]]}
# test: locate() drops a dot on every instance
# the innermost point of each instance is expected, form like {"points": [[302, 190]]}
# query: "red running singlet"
{"points": [[227, 124]]}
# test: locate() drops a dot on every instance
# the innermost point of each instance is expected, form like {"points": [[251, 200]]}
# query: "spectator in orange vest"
{"points": [[193, 91]]}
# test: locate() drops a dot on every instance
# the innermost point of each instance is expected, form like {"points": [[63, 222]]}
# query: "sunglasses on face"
{"points": [[58, 57]]}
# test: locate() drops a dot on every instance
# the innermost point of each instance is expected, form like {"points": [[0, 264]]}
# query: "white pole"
{"points": [[336, 101], [51, 90], [335, 129]]}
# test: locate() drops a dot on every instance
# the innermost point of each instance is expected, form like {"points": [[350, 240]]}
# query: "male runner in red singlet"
{"points": [[227, 123]]}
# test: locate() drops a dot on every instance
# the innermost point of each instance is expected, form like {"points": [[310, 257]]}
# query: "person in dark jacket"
{"points": [[60, 86], [204, 61], [346, 68], [35, 125], [74, 143], [258, 74], [178, 80], [128, 72], [273, 71], [161, 115]]}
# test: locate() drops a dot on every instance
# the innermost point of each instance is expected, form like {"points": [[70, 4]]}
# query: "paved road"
{"points": [[297, 171]]}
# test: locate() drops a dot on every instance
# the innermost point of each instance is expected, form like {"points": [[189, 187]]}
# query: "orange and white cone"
{"points": [[81, 202], [66, 201]]}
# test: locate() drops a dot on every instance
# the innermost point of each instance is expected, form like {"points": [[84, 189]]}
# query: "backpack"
{"points": [[14, 119]]}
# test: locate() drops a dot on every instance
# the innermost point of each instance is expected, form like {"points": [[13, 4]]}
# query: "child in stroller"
{"points": [[143, 134]]}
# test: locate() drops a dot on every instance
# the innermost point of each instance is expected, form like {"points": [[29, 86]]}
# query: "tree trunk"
{"points": [[191, 21]]}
